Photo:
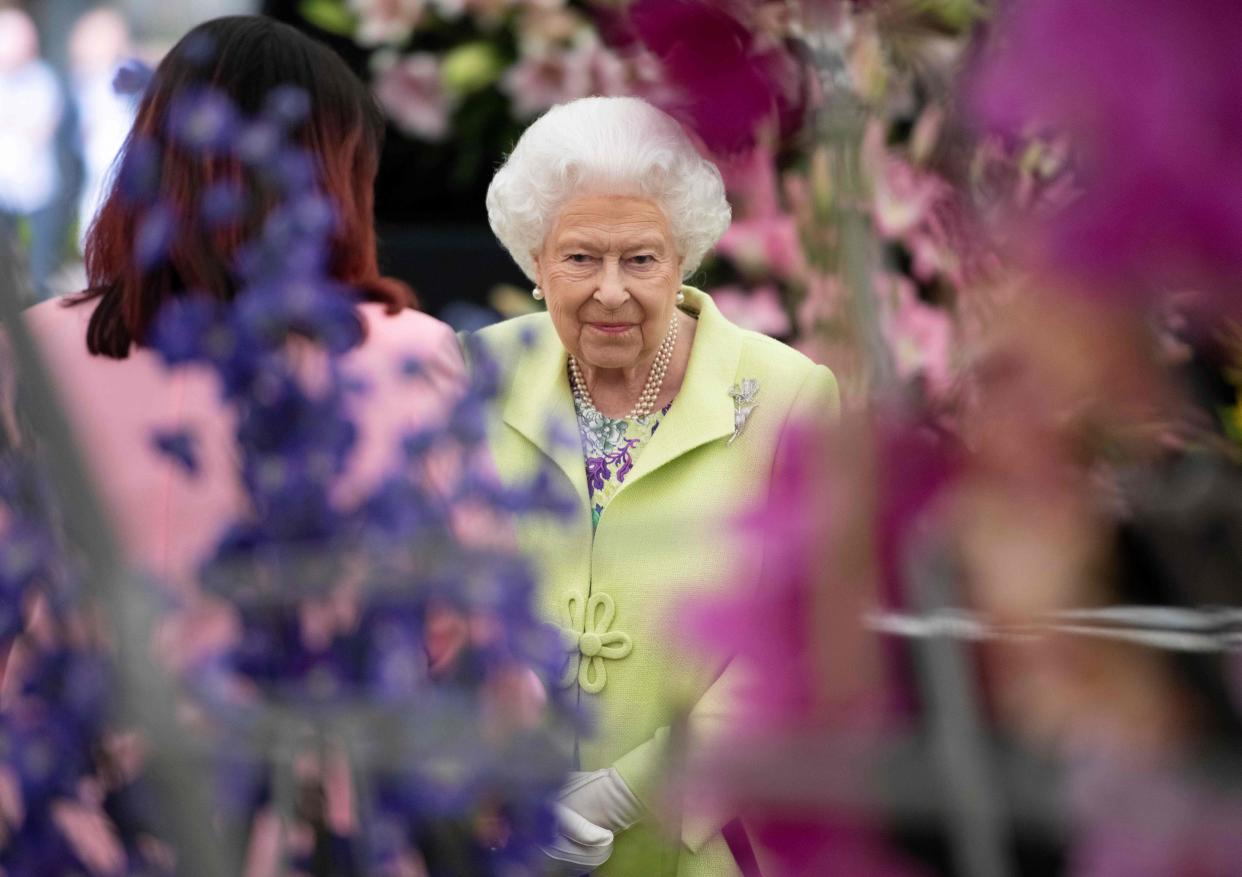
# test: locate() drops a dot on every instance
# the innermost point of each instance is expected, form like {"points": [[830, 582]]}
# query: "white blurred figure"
{"points": [[31, 107], [98, 45]]}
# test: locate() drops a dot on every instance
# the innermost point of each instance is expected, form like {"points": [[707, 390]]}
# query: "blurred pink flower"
{"points": [[904, 196], [1147, 92], [730, 82], [385, 22], [759, 310], [823, 303], [763, 239], [919, 335], [767, 245], [411, 92], [557, 74], [922, 210]]}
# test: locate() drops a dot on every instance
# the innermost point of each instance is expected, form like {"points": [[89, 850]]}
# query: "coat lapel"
{"points": [[703, 409], [540, 406]]}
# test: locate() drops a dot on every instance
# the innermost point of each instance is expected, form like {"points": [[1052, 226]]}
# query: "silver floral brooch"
{"points": [[745, 401]]}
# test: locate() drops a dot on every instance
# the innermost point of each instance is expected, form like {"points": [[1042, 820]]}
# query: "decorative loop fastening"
{"points": [[587, 623]]}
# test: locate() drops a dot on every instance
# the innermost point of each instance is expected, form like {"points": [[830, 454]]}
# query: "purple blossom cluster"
{"points": [[67, 799], [388, 672]]}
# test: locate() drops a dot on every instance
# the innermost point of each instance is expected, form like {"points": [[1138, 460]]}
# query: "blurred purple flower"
{"points": [[179, 446], [132, 77], [139, 175], [155, 235], [203, 120], [222, 204], [200, 48], [1146, 91], [183, 331], [286, 105], [320, 311], [292, 169], [258, 142], [729, 82]]}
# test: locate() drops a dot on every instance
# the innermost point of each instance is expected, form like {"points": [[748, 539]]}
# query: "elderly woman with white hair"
{"points": [[663, 420]]}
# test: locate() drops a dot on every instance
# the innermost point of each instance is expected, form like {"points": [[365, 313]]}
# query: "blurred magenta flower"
{"points": [[1147, 92], [729, 79], [842, 508]]}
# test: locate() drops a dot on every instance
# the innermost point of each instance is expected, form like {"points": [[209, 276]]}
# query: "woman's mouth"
{"points": [[611, 328]]}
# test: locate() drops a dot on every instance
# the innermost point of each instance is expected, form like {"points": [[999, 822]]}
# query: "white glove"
{"points": [[602, 797], [580, 846]]}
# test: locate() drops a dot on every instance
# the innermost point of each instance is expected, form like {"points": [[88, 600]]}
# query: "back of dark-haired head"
{"points": [[247, 60]]}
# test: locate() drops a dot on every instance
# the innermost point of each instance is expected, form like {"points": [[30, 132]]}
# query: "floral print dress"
{"points": [[610, 446]]}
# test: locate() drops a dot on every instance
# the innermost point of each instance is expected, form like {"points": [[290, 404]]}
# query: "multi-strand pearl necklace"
{"points": [[651, 390]]}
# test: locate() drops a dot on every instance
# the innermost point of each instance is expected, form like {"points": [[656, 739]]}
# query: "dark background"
{"points": [[429, 198]]}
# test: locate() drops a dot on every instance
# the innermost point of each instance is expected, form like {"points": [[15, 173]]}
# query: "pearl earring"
{"points": [[537, 294], [681, 297]]}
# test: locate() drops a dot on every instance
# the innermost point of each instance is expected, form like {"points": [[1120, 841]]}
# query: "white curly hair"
{"points": [[606, 145]]}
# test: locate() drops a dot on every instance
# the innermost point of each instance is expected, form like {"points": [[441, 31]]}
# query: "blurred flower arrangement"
{"points": [[469, 74], [1024, 275], [365, 687]]}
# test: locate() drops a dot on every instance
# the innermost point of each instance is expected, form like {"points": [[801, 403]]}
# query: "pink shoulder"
{"points": [[407, 328], [59, 314], [60, 328], [414, 335]]}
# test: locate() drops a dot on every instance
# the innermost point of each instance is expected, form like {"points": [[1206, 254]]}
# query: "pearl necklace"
{"points": [[651, 390]]}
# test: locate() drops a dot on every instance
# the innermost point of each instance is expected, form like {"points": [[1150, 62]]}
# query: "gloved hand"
{"points": [[579, 847], [602, 797]]}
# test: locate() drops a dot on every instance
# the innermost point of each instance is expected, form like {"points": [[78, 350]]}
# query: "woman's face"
{"points": [[610, 272]]}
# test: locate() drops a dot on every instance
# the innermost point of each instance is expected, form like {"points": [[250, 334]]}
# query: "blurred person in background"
{"points": [[178, 228], [665, 421], [99, 44], [117, 389], [31, 106]]}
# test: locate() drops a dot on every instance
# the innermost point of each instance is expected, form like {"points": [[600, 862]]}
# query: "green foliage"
{"points": [[329, 15]]}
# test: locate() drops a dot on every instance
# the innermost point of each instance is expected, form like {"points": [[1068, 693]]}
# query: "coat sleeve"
{"points": [[647, 767]]}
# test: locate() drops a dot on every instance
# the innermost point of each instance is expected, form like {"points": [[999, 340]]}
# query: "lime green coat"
{"points": [[665, 541]]}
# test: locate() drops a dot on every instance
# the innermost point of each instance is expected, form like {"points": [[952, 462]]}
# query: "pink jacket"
{"points": [[168, 519]]}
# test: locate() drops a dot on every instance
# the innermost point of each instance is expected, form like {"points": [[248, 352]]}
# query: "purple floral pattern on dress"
{"points": [[610, 447]]}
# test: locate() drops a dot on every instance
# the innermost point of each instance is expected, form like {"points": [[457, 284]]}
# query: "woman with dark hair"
{"points": [[194, 190]]}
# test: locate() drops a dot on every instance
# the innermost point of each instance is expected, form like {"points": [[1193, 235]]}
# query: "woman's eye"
{"points": [[579, 258], [644, 259]]}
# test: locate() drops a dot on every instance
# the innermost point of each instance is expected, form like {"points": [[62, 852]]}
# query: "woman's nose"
{"points": [[612, 293]]}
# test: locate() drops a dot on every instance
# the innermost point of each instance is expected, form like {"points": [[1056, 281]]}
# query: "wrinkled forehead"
{"points": [[610, 220]]}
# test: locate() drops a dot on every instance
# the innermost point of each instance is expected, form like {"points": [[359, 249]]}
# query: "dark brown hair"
{"points": [[245, 58]]}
